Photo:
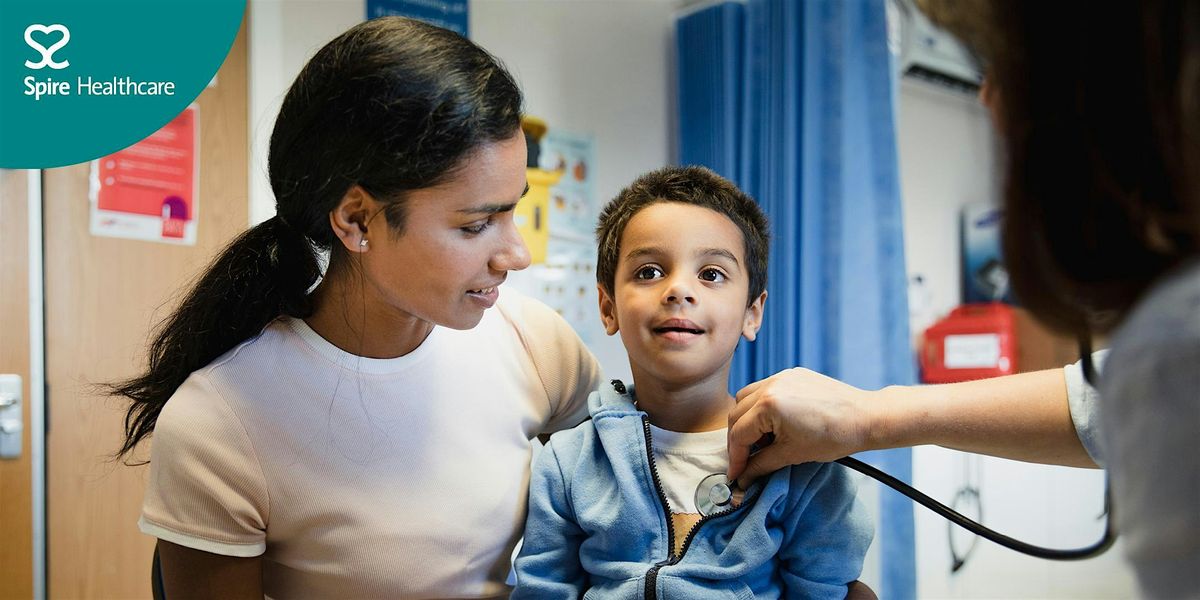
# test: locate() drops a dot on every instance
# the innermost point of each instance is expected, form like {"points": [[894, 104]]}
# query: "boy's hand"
{"points": [[812, 417]]}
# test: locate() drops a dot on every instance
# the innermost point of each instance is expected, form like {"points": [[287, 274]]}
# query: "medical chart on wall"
{"points": [[566, 278]]}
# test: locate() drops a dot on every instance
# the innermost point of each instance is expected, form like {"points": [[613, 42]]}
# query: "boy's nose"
{"points": [[679, 294]]}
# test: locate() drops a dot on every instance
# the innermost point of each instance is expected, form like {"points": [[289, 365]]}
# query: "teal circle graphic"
{"points": [[80, 79]]}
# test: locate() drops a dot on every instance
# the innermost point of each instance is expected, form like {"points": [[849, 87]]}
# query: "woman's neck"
{"points": [[350, 315], [685, 407]]}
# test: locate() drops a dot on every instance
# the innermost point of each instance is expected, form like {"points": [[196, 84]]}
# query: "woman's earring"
{"points": [[362, 243]]}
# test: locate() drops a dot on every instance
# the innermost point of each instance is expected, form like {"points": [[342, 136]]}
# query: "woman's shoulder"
{"points": [[1165, 323], [265, 342], [550, 341], [1150, 377], [196, 407], [241, 371], [525, 313]]}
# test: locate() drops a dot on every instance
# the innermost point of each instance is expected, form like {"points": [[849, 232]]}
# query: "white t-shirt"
{"points": [[683, 460], [358, 477], [1083, 401]]}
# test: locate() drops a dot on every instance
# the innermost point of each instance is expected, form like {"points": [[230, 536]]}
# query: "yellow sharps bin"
{"points": [[532, 214]]}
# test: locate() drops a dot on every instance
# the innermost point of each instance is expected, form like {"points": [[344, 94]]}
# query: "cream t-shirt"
{"points": [[358, 477]]}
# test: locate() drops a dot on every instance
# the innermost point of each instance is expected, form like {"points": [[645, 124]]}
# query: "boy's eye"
{"points": [[712, 275], [648, 272]]}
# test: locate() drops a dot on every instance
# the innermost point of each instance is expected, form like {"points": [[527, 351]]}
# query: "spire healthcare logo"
{"points": [[80, 79], [113, 85], [47, 53]]}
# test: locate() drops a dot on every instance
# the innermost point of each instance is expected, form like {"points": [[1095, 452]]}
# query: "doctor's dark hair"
{"points": [[1098, 110], [392, 105], [697, 186]]}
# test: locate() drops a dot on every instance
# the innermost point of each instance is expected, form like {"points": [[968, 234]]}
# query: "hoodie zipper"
{"points": [[687, 541], [652, 574]]}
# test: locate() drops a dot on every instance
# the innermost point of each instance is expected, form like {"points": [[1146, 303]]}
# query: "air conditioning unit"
{"points": [[929, 54]]}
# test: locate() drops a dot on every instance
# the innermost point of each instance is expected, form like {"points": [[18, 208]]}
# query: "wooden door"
{"points": [[103, 296], [16, 516]]}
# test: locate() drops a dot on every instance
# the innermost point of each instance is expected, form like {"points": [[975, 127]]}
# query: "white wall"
{"points": [[284, 34], [946, 161], [599, 67], [590, 66]]}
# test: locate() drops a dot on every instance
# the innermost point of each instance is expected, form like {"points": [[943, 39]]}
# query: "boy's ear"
{"points": [[608, 312], [349, 218], [752, 321]]}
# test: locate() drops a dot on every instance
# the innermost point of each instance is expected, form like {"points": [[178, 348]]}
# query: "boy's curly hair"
{"points": [[697, 186]]}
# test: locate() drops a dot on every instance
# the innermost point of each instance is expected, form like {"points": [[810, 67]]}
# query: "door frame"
{"points": [[36, 403], [24, 356]]}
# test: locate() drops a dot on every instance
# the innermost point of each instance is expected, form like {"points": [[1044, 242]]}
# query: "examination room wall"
{"points": [[947, 158], [604, 68]]}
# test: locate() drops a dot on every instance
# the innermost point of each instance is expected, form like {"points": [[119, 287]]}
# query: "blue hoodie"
{"points": [[598, 524]]}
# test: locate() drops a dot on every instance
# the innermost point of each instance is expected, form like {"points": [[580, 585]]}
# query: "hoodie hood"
{"points": [[615, 399]]}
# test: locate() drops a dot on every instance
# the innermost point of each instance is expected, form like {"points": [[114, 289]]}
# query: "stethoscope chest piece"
{"points": [[714, 494]]}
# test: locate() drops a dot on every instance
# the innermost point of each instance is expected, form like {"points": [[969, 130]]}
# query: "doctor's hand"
{"points": [[812, 418]]}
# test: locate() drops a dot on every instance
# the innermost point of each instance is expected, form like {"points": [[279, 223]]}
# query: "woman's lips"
{"points": [[485, 296]]}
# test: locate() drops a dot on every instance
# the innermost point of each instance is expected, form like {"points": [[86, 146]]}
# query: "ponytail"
{"points": [[266, 272]]}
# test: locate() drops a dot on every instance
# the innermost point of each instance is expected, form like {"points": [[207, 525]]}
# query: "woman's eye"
{"points": [[648, 273], [712, 275], [477, 228]]}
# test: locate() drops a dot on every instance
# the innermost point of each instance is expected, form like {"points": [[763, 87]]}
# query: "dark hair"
{"points": [[1098, 116], [697, 186], [391, 105]]}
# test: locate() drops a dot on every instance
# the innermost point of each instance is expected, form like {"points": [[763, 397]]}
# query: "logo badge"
{"points": [[47, 53]]}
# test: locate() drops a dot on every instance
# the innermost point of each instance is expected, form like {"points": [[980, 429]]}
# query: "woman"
{"points": [[1097, 113], [365, 433]]}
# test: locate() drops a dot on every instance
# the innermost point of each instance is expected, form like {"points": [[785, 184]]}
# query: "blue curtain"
{"points": [[794, 101]]}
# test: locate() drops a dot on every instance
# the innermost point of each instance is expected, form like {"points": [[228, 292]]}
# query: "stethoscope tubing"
{"points": [[957, 518]]}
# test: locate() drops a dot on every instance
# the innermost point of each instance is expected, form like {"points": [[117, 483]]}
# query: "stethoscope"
{"points": [[716, 495]]}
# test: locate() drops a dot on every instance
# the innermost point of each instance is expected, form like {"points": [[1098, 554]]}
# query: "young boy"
{"points": [[613, 509]]}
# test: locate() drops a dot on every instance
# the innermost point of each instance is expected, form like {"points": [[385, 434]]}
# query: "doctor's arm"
{"points": [[815, 418]]}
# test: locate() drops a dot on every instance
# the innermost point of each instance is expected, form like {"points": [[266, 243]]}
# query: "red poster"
{"points": [[148, 190]]}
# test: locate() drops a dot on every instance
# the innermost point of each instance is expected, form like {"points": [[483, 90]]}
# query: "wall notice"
{"points": [[148, 191]]}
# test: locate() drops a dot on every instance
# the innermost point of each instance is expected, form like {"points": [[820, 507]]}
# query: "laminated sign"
{"points": [[148, 190]]}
